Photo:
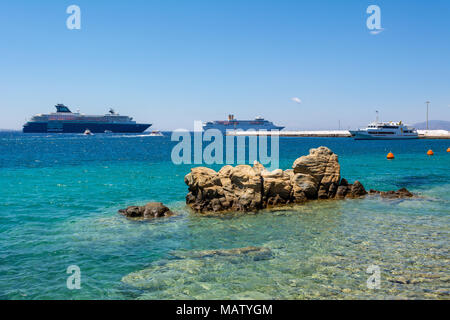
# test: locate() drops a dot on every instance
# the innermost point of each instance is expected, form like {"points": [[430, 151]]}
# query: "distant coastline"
{"points": [[433, 125]]}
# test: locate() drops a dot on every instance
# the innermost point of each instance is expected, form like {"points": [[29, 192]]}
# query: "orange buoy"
{"points": [[430, 152], [390, 156], [448, 149]]}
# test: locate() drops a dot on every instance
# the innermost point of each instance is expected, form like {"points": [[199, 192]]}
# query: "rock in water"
{"points": [[304, 185], [237, 188], [246, 188], [277, 187], [150, 211], [399, 194], [260, 253], [322, 164], [357, 190]]}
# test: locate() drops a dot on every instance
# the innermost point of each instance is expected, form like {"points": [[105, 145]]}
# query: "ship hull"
{"points": [[65, 127], [225, 128], [363, 135]]}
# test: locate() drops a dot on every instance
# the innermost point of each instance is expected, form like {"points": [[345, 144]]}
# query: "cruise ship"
{"points": [[385, 131], [234, 124], [66, 121]]}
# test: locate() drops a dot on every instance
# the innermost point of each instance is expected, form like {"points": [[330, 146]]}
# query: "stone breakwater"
{"points": [[251, 188]]}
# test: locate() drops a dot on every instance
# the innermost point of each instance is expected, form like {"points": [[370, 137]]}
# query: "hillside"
{"points": [[433, 125]]}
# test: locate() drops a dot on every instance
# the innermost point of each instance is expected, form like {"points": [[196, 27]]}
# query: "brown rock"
{"points": [[150, 211], [341, 192], [299, 196], [277, 187], [305, 183], [323, 193], [401, 193], [322, 164], [257, 252], [405, 193], [358, 190], [232, 188], [332, 190], [246, 188]]}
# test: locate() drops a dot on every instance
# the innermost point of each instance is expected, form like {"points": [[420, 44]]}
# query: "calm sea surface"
{"points": [[60, 195]]}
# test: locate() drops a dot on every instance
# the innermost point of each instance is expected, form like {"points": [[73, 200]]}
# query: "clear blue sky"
{"points": [[170, 62]]}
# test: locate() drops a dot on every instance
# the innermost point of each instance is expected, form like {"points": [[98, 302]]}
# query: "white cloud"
{"points": [[297, 100]]}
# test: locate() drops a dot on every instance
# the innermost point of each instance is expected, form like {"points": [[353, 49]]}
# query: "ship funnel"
{"points": [[62, 108]]}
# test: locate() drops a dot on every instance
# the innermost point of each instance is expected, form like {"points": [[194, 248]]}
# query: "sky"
{"points": [[170, 62]]}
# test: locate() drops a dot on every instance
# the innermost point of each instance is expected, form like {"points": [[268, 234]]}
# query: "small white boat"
{"points": [[87, 132], [156, 134], [385, 131]]}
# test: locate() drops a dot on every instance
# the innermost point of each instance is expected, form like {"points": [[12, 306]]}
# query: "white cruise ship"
{"points": [[385, 131], [234, 124]]}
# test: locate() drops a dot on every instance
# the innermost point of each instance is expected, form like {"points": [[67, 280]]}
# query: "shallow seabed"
{"points": [[60, 196], [317, 253]]}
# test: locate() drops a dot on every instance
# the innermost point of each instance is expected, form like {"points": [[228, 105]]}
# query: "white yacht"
{"points": [[385, 131]]}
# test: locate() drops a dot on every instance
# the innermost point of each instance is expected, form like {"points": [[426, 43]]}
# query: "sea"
{"points": [[59, 202]]}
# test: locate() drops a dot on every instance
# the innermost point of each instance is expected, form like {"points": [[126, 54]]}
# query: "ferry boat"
{"points": [[385, 131], [233, 124], [66, 121]]}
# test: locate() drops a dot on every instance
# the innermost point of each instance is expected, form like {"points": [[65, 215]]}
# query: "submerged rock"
{"points": [[246, 188], [150, 211], [400, 193], [194, 268], [258, 253]]}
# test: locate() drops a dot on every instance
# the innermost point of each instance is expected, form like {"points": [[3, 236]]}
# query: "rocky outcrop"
{"points": [[237, 188], [150, 211], [399, 194], [321, 164], [246, 188]]}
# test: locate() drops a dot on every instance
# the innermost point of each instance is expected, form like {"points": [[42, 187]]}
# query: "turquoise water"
{"points": [[60, 195]]}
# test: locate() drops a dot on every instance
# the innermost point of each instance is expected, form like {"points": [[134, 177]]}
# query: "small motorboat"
{"points": [[156, 134], [87, 132]]}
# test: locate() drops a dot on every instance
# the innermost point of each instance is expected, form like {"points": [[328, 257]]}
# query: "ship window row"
{"points": [[384, 127], [382, 132]]}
